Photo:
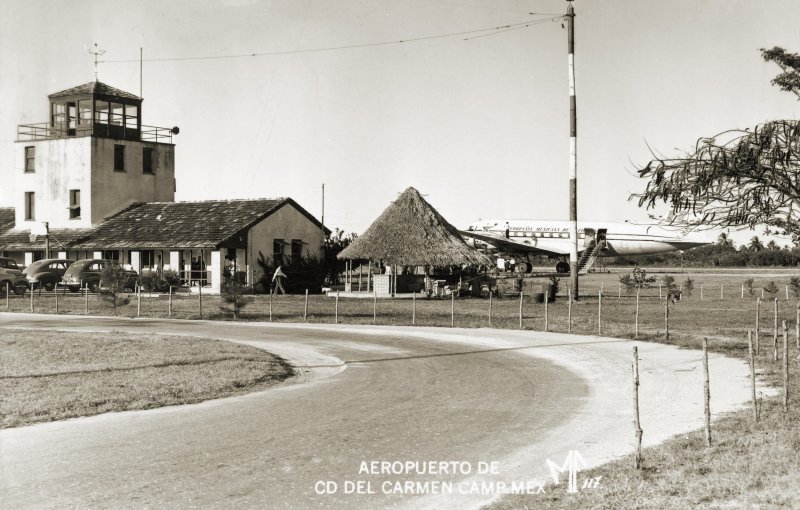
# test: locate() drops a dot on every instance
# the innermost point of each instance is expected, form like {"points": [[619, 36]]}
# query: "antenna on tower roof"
{"points": [[95, 50]]}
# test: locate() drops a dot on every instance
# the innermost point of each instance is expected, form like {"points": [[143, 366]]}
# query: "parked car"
{"points": [[11, 277], [88, 272], [46, 273]]}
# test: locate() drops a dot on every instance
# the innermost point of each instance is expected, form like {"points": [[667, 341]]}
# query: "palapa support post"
{"points": [[752, 359], [785, 368], [637, 427], [706, 392], [305, 308], [636, 320]]}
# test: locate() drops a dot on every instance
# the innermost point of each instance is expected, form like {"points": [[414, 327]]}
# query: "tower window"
{"points": [[30, 159], [74, 204], [147, 161], [30, 205], [119, 158]]}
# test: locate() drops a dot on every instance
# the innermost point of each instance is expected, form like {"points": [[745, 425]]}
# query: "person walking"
{"points": [[278, 279]]}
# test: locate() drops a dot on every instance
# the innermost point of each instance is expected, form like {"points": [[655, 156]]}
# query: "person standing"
{"points": [[278, 279]]}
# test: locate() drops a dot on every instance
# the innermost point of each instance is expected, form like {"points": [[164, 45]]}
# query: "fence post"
{"points": [[619, 290], [758, 317], [452, 309], [785, 368], [413, 308], [636, 324], [721, 291], [270, 303], [742, 291], [600, 313], [32, 297], [55, 293], [169, 302], [138, 300], [637, 460], [707, 392], [775, 331], [520, 310], [305, 306], [752, 359], [546, 318], [8, 292], [787, 293], [569, 310], [374, 306], [797, 326], [86, 300], [200, 291], [660, 296], [666, 318], [490, 307], [336, 316], [701, 292]]}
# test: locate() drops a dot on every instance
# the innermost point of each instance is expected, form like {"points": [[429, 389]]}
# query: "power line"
{"points": [[511, 29], [496, 29]]}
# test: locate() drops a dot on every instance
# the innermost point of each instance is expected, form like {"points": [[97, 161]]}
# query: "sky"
{"points": [[479, 126]]}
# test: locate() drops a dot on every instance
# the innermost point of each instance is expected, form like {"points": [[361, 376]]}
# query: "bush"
{"points": [[171, 278], [794, 285], [234, 298], [688, 286], [770, 289], [748, 285], [637, 279], [149, 281], [113, 283]]}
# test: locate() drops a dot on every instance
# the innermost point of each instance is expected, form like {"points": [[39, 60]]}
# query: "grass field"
{"points": [[49, 376]]}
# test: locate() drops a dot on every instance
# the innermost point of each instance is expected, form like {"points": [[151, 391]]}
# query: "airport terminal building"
{"points": [[94, 182]]}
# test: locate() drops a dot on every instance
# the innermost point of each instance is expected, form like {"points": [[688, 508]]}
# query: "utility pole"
{"points": [[573, 154]]}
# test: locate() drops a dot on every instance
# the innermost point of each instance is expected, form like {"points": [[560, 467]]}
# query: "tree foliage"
{"points": [[114, 283], [737, 178]]}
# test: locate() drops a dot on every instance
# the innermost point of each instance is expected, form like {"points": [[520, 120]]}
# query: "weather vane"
{"points": [[96, 51]]}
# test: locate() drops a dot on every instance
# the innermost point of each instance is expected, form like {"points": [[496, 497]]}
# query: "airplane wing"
{"points": [[504, 244]]}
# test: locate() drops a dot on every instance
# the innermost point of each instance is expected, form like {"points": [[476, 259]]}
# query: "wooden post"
{"points": [[200, 295], [785, 368], [374, 306], [546, 318], [707, 392], [86, 300], [762, 292], [8, 294], [270, 303], [637, 460], [659, 291], [490, 307], [169, 302], [600, 312], [369, 274], [701, 292], [305, 306], [797, 326], [758, 317], [336, 316], [452, 309], [619, 290], [32, 298], [520, 310], [775, 331], [55, 293], [360, 271], [742, 291], [721, 291], [752, 359], [569, 310], [636, 323], [138, 300], [413, 308], [666, 318], [787, 293]]}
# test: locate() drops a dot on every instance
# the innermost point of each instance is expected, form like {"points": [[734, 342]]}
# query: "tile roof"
{"points": [[93, 87], [6, 218], [202, 224], [156, 225]]}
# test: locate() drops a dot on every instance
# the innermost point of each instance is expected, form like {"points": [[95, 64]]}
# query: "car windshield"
{"points": [[8, 264], [77, 266]]}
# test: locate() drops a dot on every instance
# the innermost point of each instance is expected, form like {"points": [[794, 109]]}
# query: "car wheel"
{"points": [[48, 285], [20, 288]]}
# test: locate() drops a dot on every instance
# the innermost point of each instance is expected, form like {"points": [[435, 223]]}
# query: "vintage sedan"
{"points": [[11, 277], [88, 273], [46, 273]]}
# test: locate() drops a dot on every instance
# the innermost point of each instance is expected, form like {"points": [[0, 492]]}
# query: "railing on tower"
{"points": [[48, 131]]}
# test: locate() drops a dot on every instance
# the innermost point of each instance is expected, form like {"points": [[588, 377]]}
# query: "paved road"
{"points": [[365, 394]]}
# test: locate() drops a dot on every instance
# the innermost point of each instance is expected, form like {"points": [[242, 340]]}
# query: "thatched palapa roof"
{"points": [[410, 232]]}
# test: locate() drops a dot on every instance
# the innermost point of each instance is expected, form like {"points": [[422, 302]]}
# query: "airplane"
{"points": [[595, 239]]}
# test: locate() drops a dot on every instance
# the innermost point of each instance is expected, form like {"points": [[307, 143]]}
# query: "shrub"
{"points": [[794, 285], [637, 279], [234, 298], [748, 285], [113, 283], [171, 278], [770, 289], [149, 281], [668, 281], [688, 286]]}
